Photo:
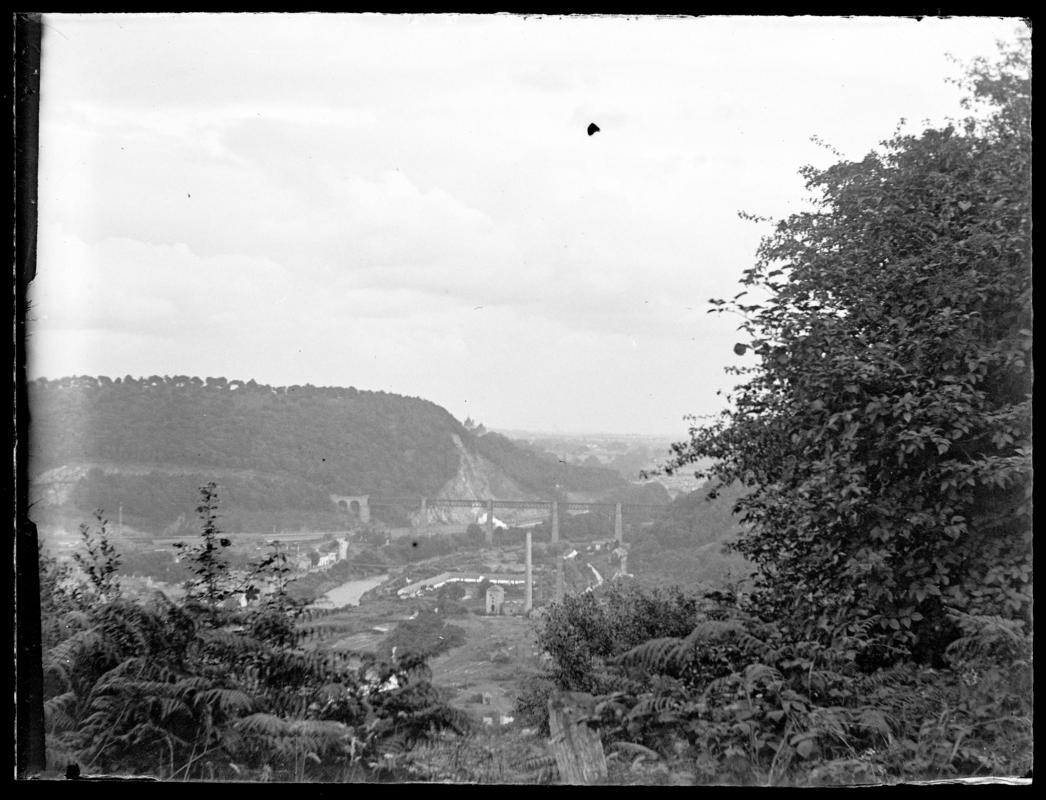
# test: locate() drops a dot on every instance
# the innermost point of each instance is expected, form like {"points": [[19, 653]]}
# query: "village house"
{"points": [[327, 560], [495, 599]]}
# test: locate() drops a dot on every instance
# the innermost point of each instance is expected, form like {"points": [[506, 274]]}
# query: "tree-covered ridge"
{"points": [[339, 439], [279, 452]]}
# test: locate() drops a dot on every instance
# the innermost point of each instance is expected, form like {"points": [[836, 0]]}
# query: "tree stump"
{"points": [[577, 748]]}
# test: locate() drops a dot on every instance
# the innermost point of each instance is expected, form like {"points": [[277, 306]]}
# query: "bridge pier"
{"points": [[618, 528], [355, 504]]}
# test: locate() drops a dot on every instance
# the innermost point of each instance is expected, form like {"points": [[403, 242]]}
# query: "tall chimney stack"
{"points": [[528, 602]]}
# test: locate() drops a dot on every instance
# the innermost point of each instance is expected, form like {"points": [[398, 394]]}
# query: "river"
{"points": [[350, 592]]}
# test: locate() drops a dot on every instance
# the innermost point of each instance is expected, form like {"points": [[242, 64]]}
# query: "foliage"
{"points": [[532, 698], [883, 436], [583, 527], [696, 518], [586, 629], [99, 561], [202, 690], [206, 559], [735, 700], [61, 592], [450, 592], [426, 635], [475, 535], [482, 757], [690, 543]]}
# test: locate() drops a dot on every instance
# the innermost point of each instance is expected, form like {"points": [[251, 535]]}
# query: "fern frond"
{"points": [[654, 705], [60, 753], [636, 750], [227, 700], [875, 721], [57, 712], [716, 630], [655, 656], [268, 725], [761, 673], [831, 721]]}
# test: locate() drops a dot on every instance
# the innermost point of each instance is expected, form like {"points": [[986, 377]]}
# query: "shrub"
{"points": [[200, 690], [531, 706]]}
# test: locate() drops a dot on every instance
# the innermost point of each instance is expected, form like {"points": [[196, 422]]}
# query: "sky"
{"points": [[412, 203]]}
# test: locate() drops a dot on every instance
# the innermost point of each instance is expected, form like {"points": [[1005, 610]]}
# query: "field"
{"points": [[498, 653]]}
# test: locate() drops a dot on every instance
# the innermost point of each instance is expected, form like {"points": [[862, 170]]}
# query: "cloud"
{"points": [[329, 198]]}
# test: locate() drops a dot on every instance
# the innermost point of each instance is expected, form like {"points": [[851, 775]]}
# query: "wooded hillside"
{"points": [[276, 449]]}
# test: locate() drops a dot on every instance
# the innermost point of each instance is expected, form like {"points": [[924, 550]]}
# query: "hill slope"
{"points": [[689, 543], [146, 444]]}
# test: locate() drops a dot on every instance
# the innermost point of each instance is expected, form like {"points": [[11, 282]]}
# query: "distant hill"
{"points": [[688, 543], [278, 452]]}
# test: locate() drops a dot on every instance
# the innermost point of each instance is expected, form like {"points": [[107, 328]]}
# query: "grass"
{"points": [[497, 654]]}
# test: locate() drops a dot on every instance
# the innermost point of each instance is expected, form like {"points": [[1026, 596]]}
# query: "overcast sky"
{"points": [[412, 203]]}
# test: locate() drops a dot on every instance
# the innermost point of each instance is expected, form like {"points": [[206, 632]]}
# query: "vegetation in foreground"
{"points": [[205, 688], [700, 688]]}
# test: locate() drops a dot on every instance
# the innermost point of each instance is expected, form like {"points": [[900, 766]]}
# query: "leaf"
{"points": [[740, 349]]}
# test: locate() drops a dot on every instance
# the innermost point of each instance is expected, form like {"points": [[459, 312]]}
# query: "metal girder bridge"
{"points": [[490, 504], [543, 505]]}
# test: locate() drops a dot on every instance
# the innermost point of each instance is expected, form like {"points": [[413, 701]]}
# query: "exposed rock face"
{"points": [[478, 479], [54, 486]]}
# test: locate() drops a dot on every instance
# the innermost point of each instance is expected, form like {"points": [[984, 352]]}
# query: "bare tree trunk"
{"points": [[578, 749]]}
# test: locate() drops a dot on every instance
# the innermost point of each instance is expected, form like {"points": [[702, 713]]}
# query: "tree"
{"points": [[884, 432], [207, 559], [451, 591], [475, 533], [586, 630], [101, 561]]}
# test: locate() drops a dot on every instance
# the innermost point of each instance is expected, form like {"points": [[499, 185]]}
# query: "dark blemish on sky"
{"points": [[592, 128]]}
